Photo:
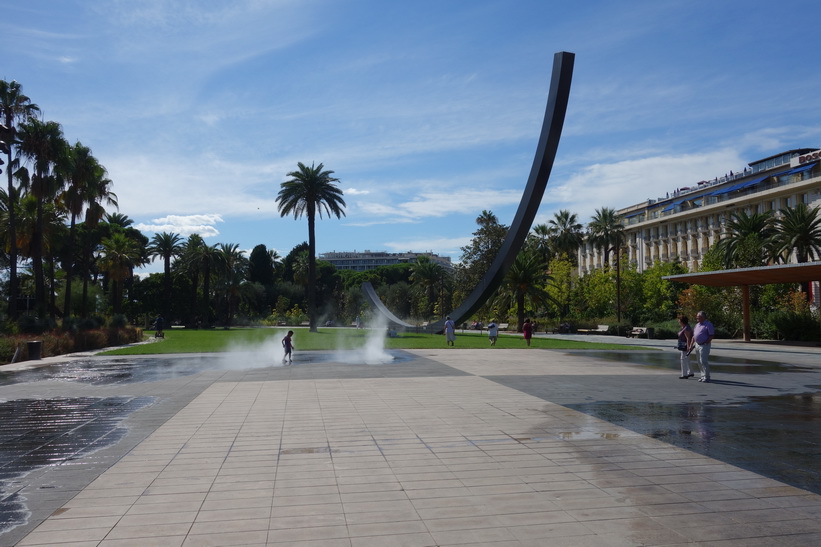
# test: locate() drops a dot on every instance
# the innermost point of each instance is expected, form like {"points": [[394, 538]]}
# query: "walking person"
{"points": [[450, 332], [703, 334], [288, 346], [685, 344], [527, 330], [493, 332]]}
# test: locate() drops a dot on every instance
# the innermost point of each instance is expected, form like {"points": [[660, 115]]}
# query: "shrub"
{"points": [[801, 327], [91, 323], [127, 335], [60, 342], [57, 344], [86, 340], [8, 345], [118, 321], [31, 324]]}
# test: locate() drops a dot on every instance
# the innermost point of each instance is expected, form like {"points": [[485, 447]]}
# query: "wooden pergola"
{"points": [[744, 277]]}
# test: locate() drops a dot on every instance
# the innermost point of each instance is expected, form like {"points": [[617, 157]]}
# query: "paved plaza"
{"points": [[443, 447]]}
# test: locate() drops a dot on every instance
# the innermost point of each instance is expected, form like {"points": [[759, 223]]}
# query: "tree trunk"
{"points": [[37, 264], [13, 289], [167, 286], [206, 292], [69, 268], [311, 269]]}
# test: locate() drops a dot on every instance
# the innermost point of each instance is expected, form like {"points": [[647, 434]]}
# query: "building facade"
{"points": [[368, 260], [688, 222]]}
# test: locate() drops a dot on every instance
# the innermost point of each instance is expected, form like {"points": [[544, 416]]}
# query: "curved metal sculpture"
{"points": [[376, 304], [528, 207]]}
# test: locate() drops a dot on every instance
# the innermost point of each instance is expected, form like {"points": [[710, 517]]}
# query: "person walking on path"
{"points": [[527, 330], [450, 332], [685, 337], [288, 346], [703, 334], [493, 332]]}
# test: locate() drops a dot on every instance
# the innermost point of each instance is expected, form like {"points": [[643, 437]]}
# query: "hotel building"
{"points": [[367, 260], [690, 220]]}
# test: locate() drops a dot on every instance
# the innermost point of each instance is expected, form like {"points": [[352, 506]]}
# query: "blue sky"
{"points": [[427, 111]]}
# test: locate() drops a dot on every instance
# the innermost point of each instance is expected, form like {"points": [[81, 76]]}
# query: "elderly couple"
{"points": [[698, 339]]}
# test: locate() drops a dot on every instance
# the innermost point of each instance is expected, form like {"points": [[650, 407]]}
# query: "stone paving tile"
{"points": [[446, 460]]}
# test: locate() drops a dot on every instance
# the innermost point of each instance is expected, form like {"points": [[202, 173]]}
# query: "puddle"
{"points": [[670, 360], [778, 437], [125, 370], [36, 433]]}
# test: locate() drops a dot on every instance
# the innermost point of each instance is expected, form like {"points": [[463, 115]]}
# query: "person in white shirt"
{"points": [[450, 332], [493, 332]]}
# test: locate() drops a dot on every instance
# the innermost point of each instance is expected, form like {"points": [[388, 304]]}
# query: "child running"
{"points": [[288, 346]]}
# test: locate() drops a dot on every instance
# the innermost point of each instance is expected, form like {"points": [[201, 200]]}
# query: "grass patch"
{"points": [[213, 341]]}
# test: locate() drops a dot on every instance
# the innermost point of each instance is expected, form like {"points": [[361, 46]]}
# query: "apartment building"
{"points": [[688, 221], [368, 260]]}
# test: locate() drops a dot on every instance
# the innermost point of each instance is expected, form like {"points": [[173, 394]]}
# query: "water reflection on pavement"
{"points": [[777, 436]]}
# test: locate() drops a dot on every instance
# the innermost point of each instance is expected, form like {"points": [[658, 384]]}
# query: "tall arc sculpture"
{"points": [[528, 206]]}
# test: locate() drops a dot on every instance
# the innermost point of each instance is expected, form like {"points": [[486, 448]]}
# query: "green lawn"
{"points": [[218, 340]]}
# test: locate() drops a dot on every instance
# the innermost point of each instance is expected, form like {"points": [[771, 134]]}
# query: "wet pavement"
{"points": [[38, 433], [64, 424]]}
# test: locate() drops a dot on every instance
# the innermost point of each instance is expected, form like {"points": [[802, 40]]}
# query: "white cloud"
{"points": [[356, 192], [185, 225], [625, 183], [443, 203]]}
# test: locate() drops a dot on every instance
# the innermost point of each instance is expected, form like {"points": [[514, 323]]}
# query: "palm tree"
{"points": [[748, 240], [606, 233], [189, 266], [96, 195], [52, 219], [14, 107], [798, 230], [199, 258], [426, 275], [308, 191], [118, 219], [276, 262], [524, 283], [120, 255], [83, 176], [166, 246], [566, 233], [540, 241], [232, 269], [41, 143]]}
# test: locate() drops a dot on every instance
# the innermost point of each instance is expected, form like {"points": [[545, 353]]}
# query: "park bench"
{"points": [[640, 332], [600, 329], [504, 326]]}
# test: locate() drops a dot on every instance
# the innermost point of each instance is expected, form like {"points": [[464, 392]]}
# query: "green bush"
{"points": [[802, 327], [91, 323], [118, 321], [31, 324], [8, 345]]}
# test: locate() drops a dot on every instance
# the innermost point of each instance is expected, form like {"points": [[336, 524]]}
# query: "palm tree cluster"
{"points": [[51, 183], [755, 239]]}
